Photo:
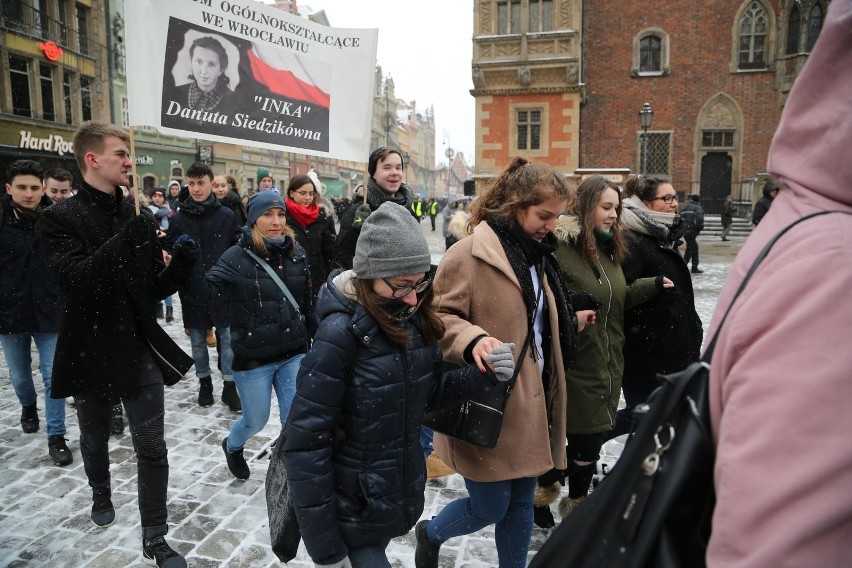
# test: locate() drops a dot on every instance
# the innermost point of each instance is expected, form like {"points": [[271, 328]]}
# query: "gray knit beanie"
{"points": [[391, 244]]}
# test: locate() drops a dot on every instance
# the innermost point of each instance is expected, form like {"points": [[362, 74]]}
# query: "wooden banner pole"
{"points": [[133, 171]]}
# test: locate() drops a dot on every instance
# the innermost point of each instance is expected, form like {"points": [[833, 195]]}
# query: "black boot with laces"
{"points": [[58, 450]]}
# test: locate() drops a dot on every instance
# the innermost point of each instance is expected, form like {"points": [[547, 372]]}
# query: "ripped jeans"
{"points": [[145, 417]]}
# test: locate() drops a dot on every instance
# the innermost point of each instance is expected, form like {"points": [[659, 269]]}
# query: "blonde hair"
{"points": [[91, 137], [259, 245]]}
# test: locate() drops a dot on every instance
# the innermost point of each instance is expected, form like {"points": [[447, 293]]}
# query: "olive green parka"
{"points": [[593, 386]]}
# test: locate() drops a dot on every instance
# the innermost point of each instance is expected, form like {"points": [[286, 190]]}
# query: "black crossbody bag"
{"points": [[656, 506], [478, 420]]}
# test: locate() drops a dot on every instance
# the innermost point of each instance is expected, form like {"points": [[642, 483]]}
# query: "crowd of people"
{"points": [[575, 295]]}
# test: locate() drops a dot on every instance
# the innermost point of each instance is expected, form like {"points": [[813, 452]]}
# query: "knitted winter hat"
{"points": [[262, 202], [262, 173], [390, 244]]}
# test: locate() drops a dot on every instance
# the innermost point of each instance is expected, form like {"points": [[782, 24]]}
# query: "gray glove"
{"points": [[503, 361], [345, 563]]}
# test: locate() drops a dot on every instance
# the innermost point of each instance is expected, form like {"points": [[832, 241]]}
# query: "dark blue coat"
{"points": [[264, 325], [352, 448], [215, 229], [27, 286]]}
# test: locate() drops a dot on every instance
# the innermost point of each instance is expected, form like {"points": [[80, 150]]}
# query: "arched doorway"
{"points": [[718, 148]]}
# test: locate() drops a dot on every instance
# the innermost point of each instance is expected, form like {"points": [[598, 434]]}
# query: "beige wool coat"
{"points": [[477, 293]]}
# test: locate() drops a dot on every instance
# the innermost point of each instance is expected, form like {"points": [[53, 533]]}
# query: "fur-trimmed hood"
{"points": [[567, 229], [457, 226]]}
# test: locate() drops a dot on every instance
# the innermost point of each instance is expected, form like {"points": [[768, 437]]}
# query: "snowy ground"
{"points": [[215, 520]]}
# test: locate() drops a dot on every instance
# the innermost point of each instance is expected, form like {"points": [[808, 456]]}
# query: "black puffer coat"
{"points": [[318, 241], [107, 291], [214, 227], [663, 335], [264, 325], [27, 287], [352, 447]]}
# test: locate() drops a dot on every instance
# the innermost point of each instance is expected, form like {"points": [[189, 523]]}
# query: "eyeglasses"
{"points": [[403, 291], [666, 198]]}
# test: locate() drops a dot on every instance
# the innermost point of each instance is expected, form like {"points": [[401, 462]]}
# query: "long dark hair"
{"points": [[521, 185], [588, 196], [298, 181], [431, 325]]}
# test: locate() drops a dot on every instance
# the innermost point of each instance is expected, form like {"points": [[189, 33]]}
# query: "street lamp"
{"points": [[449, 153], [646, 115], [406, 158]]}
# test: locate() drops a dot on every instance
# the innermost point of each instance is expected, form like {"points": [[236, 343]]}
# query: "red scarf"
{"points": [[304, 215]]}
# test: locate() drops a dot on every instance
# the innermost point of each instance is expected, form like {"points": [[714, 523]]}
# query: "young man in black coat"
{"points": [[111, 272], [214, 227], [28, 303]]}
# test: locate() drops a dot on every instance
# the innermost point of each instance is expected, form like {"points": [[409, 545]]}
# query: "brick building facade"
{"points": [[562, 82]]}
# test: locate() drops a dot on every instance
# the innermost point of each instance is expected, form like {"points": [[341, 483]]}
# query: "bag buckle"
{"points": [[651, 463]]}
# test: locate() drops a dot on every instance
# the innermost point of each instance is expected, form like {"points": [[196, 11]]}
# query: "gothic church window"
{"points": [[793, 31], [753, 30], [814, 25]]}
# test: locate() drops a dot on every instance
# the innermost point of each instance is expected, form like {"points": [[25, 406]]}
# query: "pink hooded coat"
{"points": [[781, 378]]}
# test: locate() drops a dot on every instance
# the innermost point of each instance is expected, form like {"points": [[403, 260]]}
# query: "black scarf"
{"points": [[192, 207], [376, 195], [524, 252], [199, 100], [26, 216]]}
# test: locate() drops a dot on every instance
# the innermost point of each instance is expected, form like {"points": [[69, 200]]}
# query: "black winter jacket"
{"points": [[215, 229], [107, 291], [662, 335], [352, 448], [318, 241], [692, 215], [27, 286], [264, 325]]}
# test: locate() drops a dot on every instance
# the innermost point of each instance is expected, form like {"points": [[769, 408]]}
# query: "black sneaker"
{"points": [[236, 462], [157, 552], [117, 425], [696, 270], [205, 392], [231, 397], [103, 513], [29, 419], [58, 450], [426, 553]]}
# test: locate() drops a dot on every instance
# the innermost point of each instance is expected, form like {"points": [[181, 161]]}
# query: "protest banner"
{"points": [[246, 73]]}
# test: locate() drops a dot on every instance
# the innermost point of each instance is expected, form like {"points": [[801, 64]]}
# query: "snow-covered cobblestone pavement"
{"points": [[215, 520]]}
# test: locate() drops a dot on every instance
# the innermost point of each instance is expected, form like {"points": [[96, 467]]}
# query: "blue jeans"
{"points": [[426, 435], [198, 340], [372, 556], [255, 390], [169, 302], [509, 504], [16, 346]]}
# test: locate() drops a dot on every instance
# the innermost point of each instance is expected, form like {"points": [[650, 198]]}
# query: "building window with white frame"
{"points": [[529, 129], [752, 35], [650, 53], [125, 112], [48, 110], [19, 85]]}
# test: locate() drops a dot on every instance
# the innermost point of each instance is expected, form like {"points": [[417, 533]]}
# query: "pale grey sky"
{"points": [[425, 45]]}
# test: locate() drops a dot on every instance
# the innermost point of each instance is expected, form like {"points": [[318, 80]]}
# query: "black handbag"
{"points": [[478, 421], [655, 507], [284, 534]]}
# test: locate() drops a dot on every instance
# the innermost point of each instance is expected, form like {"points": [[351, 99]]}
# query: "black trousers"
{"points": [[432, 218], [145, 416], [691, 252]]}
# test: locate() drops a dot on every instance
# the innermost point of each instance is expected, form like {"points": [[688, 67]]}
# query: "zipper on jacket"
{"points": [[159, 356], [606, 343], [406, 385]]}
